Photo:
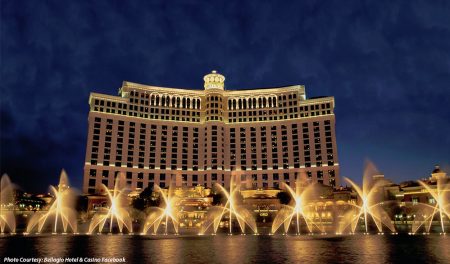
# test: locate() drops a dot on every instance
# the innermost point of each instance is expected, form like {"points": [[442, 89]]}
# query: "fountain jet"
{"points": [[169, 212], [441, 207], [371, 197], [230, 209], [7, 218], [61, 209], [117, 210], [301, 206]]}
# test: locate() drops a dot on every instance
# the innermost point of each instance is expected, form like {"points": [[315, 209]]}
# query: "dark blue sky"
{"points": [[386, 62]]}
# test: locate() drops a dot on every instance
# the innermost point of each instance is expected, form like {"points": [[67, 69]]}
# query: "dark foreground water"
{"points": [[230, 249]]}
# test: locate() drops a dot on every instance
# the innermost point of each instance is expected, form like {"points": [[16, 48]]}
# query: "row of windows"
{"points": [[233, 104], [251, 103], [315, 107], [146, 112], [141, 176], [185, 103], [316, 125], [262, 102], [211, 115], [260, 183], [165, 100]]}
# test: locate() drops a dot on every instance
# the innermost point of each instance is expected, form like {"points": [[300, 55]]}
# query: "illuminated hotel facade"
{"points": [[262, 137]]}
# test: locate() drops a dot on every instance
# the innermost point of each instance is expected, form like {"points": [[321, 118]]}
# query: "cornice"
{"points": [[247, 92]]}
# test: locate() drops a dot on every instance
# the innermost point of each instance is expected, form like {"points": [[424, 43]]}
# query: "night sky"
{"points": [[387, 65]]}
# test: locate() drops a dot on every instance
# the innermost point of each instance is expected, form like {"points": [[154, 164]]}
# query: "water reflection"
{"points": [[111, 246], [438, 248], [236, 249], [51, 246], [166, 250], [375, 249]]}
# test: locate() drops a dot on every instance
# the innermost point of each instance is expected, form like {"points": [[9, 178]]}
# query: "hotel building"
{"points": [[262, 137]]}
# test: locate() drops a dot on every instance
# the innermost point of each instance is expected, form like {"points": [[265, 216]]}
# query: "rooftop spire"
{"points": [[214, 80]]}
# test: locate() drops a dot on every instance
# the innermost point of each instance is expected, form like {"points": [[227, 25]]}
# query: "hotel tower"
{"points": [[261, 137]]}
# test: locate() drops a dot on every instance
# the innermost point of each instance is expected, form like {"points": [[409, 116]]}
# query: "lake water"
{"points": [[365, 249]]}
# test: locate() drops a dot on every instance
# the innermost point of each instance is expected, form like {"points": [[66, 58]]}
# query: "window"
{"points": [[92, 182]]}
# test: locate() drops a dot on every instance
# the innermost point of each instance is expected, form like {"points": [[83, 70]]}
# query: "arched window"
{"points": [[163, 100], [157, 100], [173, 101], [152, 100], [264, 102], [188, 103], [234, 104], [270, 101], [198, 104], [178, 101], [254, 102], [240, 103], [245, 103]]}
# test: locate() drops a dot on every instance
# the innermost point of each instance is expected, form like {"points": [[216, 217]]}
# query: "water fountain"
{"points": [[158, 214], [426, 212], [61, 208], [7, 218], [372, 204], [300, 207], [117, 210], [230, 209]]}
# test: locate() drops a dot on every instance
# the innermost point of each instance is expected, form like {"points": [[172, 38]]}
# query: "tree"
{"points": [[82, 203], [138, 203], [146, 193], [146, 198], [284, 197], [218, 198]]}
